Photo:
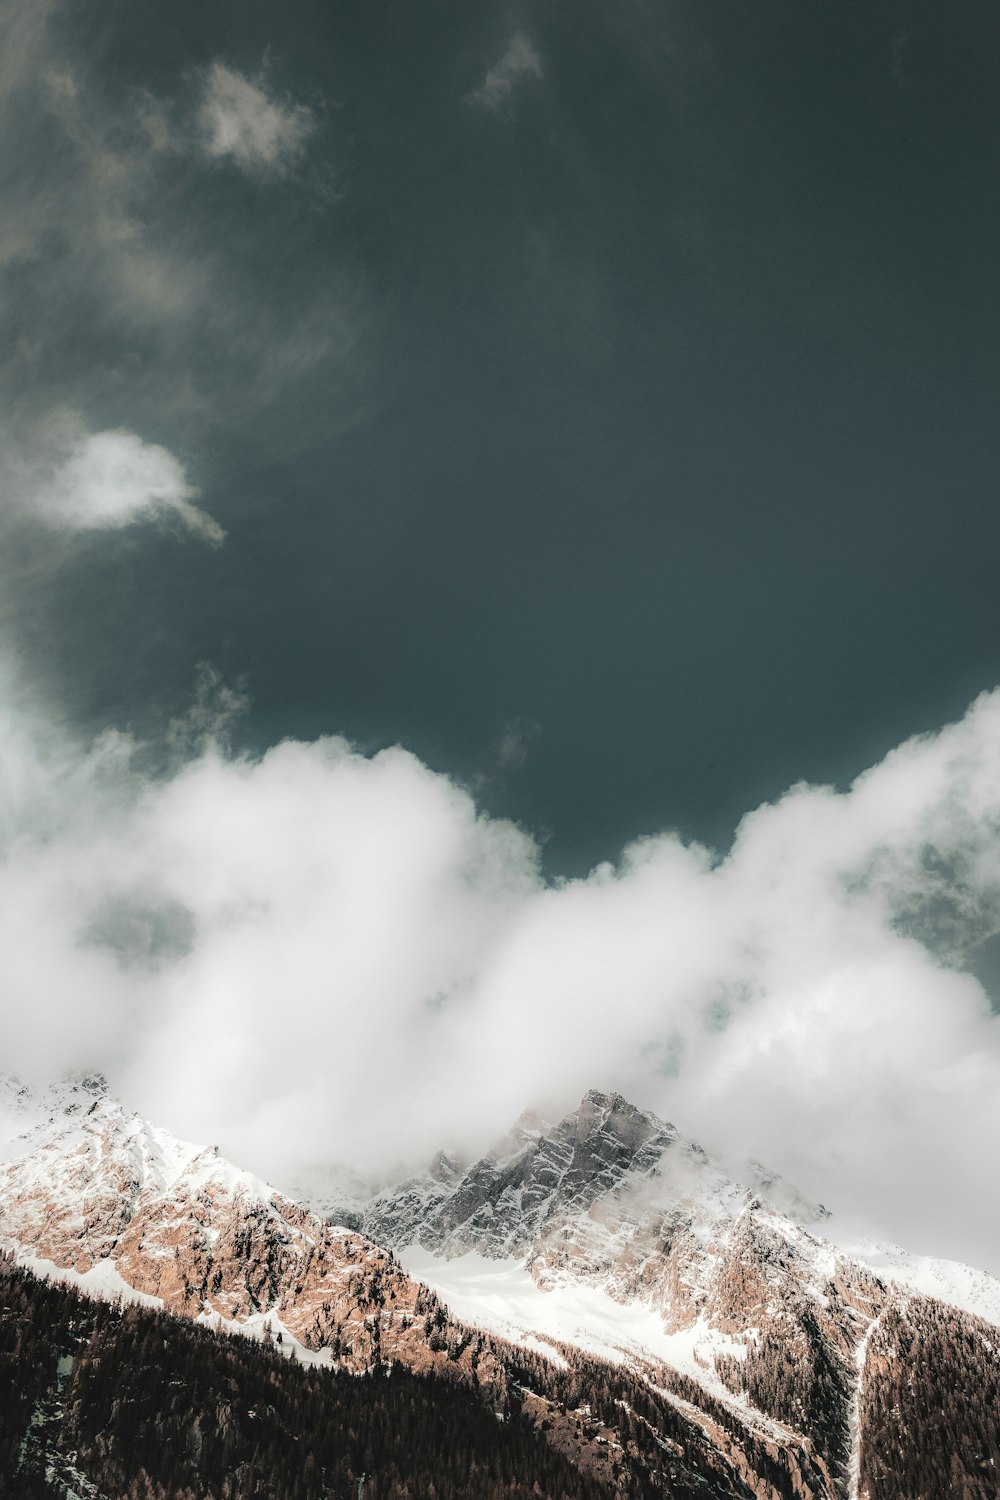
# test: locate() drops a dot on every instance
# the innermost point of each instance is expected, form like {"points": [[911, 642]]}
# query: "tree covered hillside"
{"points": [[131, 1404]]}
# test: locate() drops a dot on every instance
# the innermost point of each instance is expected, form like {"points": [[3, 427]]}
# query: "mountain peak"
{"points": [[89, 1083], [597, 1099], [614, 1115]]}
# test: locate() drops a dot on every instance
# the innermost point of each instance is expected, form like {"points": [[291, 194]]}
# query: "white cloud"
{"points": [[112, 479], [239, 119], [319, 953], [520, 60], [111, 262]]}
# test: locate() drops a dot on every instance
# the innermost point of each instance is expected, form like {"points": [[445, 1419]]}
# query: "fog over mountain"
{"points": [[305, 954], [459, 474]]}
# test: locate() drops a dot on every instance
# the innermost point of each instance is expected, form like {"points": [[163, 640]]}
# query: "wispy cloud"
{"points": [[94, 257], [113, 479], [129, 323], [242, 121], [515, 738], [519, 61]]}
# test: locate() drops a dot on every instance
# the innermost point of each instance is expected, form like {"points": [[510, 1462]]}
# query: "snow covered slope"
{"points": [[947, 1281], [616, 1198], [95, 1195]]}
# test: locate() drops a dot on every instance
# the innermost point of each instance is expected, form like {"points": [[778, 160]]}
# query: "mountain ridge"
{"points": [[607, 1235]]}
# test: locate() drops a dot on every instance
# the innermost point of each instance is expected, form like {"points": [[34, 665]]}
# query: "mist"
{"points": [[314, 955]]}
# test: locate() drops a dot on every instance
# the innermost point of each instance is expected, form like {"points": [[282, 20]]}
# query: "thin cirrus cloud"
{"points": [[240, 121], [108, 480], [520, 60]]}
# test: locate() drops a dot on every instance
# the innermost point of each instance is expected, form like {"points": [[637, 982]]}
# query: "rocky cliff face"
{"points": [[606, 1160]]}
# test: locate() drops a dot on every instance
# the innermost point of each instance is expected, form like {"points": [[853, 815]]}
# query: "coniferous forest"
{"points": [[930, 1406], [132, 1404], [127, 1403]]}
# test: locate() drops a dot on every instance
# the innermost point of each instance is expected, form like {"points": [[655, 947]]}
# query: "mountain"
{"points": [[540, 1179], [117, 1204], [749, 1300], [666, 1329], [94, 1195]]}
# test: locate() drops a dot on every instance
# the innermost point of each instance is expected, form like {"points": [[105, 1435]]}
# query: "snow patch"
{"points": [[500, 1297], [949, 1281], [266, 1328], [103, 1281]]}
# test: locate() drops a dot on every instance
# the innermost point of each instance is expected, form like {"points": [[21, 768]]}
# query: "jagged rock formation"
{"points": [[607, 1160]]}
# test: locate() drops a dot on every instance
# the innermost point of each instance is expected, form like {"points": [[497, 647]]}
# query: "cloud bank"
{"points": [[319, 955]]}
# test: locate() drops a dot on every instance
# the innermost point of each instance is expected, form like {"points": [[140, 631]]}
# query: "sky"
{"points": [[497, 576]]}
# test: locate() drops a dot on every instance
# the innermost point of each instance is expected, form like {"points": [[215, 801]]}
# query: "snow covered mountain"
{"points": [[612, 1230], [615, 1198], [671, 1330], [96, 1194], [606, 1161]]}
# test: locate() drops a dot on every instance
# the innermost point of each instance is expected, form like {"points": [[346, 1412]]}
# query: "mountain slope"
{"points": [[94, 1194], [99, 1192], [103, 1403]]}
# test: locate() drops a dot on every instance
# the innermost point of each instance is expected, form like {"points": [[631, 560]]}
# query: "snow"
{"points": [[692, 1350], [105, 1283], [854, 1418], [949, 1281], [103, 1280], [206, 1170], [265, 1327], [545, 1349], [501, 1297]]}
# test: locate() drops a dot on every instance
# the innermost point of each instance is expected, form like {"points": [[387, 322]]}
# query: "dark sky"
{"points": [[623, 441]]}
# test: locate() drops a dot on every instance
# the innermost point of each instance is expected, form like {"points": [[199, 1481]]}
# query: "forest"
{"points": [[930, 1406], [132, 1404]]}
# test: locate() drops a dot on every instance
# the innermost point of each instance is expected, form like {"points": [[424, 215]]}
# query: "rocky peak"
{"points": [[446, 1167], [535, 1177], [598, 1106], [89, 1083], [611, 1138]]}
